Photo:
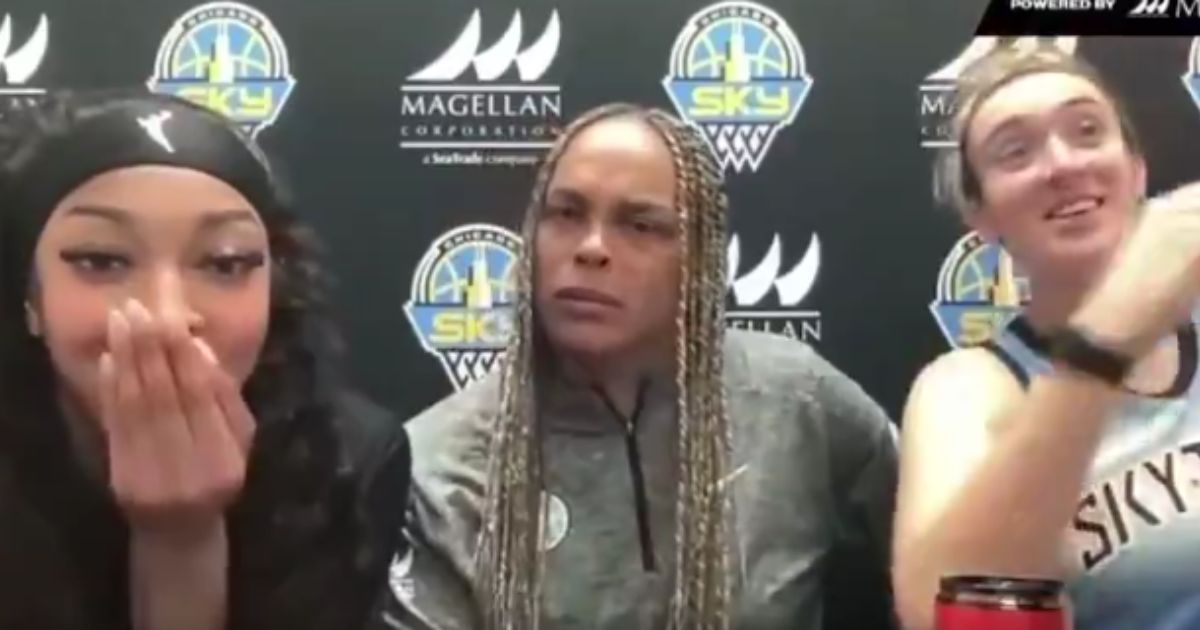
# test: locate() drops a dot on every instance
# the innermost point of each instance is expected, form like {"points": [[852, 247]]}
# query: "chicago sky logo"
{"points": [[18, 66], [939, 91], [463, 292], [738, 73], [752, 307], [978, 291], [484, 119], [228, 57]]}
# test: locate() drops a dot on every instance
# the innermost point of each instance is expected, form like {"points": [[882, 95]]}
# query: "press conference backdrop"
{"points": [[408, 129]]}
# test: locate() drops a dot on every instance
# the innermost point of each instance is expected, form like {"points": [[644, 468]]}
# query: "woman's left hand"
{"points": [[178, 430]]}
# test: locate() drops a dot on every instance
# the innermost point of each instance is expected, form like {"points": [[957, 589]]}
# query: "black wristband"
{"points": [[1073, 347]]}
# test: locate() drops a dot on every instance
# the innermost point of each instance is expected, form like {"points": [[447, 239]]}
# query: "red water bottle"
{"points": [[976, 602]]}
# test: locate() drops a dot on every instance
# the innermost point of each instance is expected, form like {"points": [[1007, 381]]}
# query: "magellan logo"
{"points": [[1151, 8], [753, 310], [490, 64], [939, 91], [19, 66], [484, 120]]}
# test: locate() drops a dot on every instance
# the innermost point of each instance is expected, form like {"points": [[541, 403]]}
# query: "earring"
{"points": [[32, 321]]}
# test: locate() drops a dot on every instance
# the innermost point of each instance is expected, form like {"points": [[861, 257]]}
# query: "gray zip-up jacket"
{"points": [[814, 467]]}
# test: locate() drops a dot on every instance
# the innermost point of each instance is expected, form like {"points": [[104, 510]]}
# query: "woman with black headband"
{"points": [[173, 452], [634, 467]]}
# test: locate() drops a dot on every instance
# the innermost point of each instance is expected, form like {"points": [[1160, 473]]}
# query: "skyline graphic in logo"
{"points": [[738, 73], [226, 56], [978, 291], [485, 106], [939, 91], [750, 293], [463, 293], [18, 65]]}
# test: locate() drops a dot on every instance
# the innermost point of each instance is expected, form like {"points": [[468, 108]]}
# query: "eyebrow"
{"points": [[210, 220], [213, 219], [1078, 100], [108, 213], [569, 195], [634, 206]]}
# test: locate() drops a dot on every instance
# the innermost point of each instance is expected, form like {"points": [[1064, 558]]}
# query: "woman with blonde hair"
{"points": [[1069, 446]]}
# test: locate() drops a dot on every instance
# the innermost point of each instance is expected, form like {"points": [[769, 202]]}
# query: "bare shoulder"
{"points": [[955, 412], [962, 387]]}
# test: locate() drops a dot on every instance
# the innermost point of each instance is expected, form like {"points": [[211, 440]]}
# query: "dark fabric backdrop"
{"points": [[850, 168]]}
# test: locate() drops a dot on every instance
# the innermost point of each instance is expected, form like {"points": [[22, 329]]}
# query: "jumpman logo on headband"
{"points": [[153, 124]]}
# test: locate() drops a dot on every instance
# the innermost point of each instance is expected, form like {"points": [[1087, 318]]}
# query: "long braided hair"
{"points": [[510, 553]]}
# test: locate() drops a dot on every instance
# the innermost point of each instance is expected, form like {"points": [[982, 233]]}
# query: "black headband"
{"points": [[150, 131]]}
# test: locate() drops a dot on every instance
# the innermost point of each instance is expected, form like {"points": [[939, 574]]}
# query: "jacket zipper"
{"points": [[636, 474]]}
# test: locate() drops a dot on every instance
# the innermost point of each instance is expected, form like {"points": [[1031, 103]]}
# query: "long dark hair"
{"points": [[298, 492]]}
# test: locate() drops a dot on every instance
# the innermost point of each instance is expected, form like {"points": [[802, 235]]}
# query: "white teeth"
{"points": [[1075, 207]]}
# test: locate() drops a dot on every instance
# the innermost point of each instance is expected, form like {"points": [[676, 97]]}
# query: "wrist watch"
{"points": [[1075, 348]]}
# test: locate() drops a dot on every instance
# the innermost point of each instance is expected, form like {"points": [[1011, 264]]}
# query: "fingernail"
{"points": [[117, 324], [205, 350], [138, 312], [106, 364]]}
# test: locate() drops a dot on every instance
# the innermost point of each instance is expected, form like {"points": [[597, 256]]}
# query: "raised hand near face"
{"points": [[178, 431]]}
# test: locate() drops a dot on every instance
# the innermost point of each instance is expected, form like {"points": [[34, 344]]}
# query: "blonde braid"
{"points": [[509, 555], [704, 518], [683, 607]]}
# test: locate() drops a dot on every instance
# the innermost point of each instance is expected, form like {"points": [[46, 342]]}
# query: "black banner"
{"points": [[1091, 17]]}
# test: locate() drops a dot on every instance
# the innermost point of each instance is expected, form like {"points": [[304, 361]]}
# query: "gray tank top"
{"points": [[1134, 545]]}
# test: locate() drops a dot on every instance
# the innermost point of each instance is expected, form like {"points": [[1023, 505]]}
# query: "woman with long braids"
{"points": [[174, 454], [634, 466]]}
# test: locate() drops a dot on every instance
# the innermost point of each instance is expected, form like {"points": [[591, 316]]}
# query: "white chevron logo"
{"points": [[21, 64], [490, 64], [791, 287], [153, 124], [982, 45], [1151, 8]]}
